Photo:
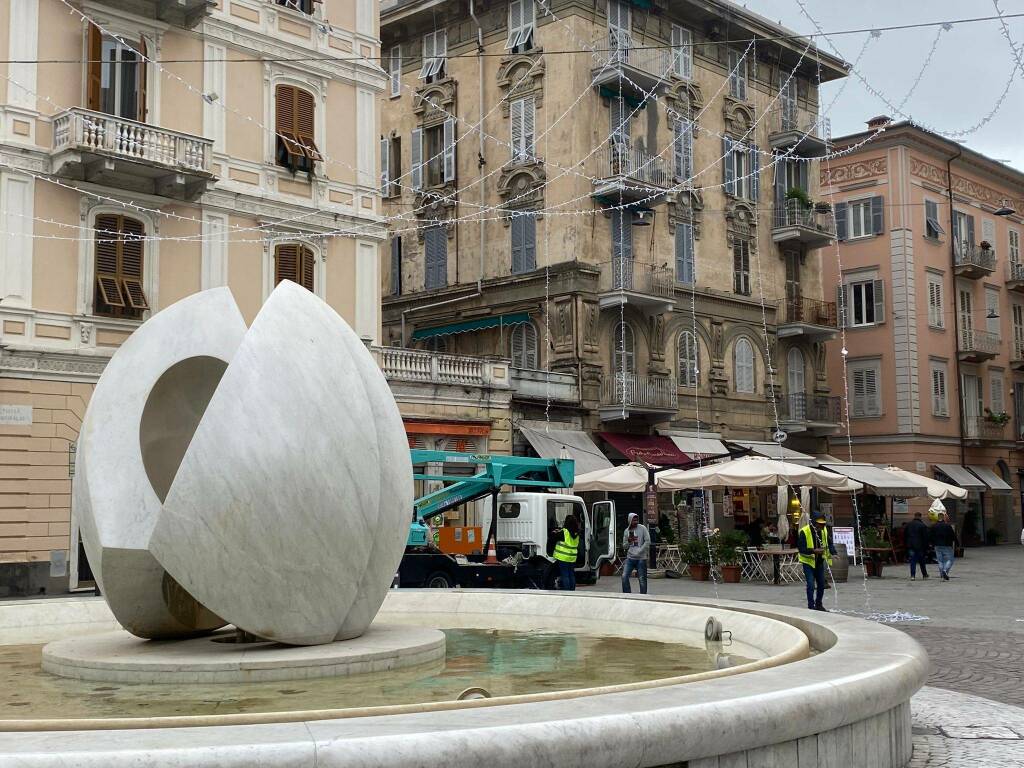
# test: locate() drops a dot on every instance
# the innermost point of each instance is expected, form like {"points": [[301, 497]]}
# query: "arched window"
{"points": [[523, 343], [689, 359], [795, 379], [744, 366], [120, 252], [624, 349], [295, 262]]}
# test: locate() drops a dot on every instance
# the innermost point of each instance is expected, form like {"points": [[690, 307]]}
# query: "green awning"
{"points": [[630, 100], [496, 321]]}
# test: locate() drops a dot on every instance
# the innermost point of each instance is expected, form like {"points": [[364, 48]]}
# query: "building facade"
{"points": [[633, 227], [930, 292], [194, 144]]}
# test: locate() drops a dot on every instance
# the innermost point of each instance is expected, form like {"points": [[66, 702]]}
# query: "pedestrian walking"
{"points": [[814, 543], [566, 549], [943, 538], [636, 540], [916, 539]]}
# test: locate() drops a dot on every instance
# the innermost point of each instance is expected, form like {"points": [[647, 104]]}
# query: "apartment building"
{"points": [[161, 147], [633, 224], [931, 294]]}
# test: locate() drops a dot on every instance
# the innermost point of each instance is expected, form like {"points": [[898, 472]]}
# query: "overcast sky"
{"points": [[962, 84]]}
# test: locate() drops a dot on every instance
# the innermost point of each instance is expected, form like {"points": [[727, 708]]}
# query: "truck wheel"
{"points": [[439, 580]]}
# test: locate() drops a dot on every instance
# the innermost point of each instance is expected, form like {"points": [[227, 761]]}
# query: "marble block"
{"points": [[275, 472]]}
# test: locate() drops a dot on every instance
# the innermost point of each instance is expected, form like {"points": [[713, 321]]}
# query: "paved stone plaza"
{"points": [[972, 712]]}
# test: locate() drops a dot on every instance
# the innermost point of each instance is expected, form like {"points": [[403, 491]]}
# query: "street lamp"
{"points": [[1004, 210]]}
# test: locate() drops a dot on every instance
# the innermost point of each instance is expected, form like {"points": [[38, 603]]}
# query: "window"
{"points": [[684, 253], [395, 70], [303, 6], [523, 346], [963, 232], [521, 118], [787, 101], [992, 310], [932, 228], [390, 165], [940, 402], [689, 363], [120, 249], [866, 376], [622, 249], [995, 386], [741, 267], [295, 121], [295, 262], [682, 148], [508, 510], [860, 218], [396, 265], [741, 169], [116, 76], [737, 75], [988, 232], [936, 316], [1014, 247], [682, 52], [620, 114], [435, 258], [865, 300], [618, 23], [522, 18], [744, 366], [796, 383], [433, 155], [435, 52], [523, 228], [624, 349], [1018, 322]]}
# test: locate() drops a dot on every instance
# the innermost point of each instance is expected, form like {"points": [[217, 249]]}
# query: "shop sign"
{"points": [[15, 415], [651, 505]]}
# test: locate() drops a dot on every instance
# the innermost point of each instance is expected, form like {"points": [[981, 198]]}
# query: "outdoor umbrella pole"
{"points": [[652, 493]]}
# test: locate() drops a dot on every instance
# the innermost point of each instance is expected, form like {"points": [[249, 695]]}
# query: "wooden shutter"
{"points": [[395, 70], [295, 121], [529, 119], [682, 53], [970, 231], [996, 398], [938, 392], [872, 403], [728, 166], [744, 365], [934, 303], [417, 158], [517, 244], [305, 122], [878, 289], [396, 265], [449, 150], [988, 232], [132, 254], [140, 74], [94, 77], [842, 215], [529, 242], [108, 241], [515, 116], [515, 23], [684, 253], [286, 263], [435, 246], [385, 166], [859, 403], [842, 309], [877, 214], [307, 266], [755, 174]]}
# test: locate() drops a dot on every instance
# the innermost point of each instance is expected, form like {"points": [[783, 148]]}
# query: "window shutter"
{"points": [[517, 243], [872, 405], [755, 174], [108, 235], [305, 120], [396, 265], [395, 70], [841, 212], [428, 55], [417, 158], [306, 266], [95, 70], [529, 118], [878, 214], [132, 253], [529, 242], [515, 116], [859, 405], [286, 263], [385, 164], [515, 23], [878, 289], [996, 384], [284, 116], [682, 52], [728, 166], [970, 231], [683, 149], [988, 232], [684, 253], [449, 149], [140, 74], [842, 308], [517, 345]]}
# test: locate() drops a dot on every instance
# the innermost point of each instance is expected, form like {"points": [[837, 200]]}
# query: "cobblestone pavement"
{"points": [[955, 730]]}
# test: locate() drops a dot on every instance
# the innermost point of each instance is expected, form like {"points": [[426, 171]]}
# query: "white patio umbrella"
{"points": [[936, 488], [753, 471], [625, 478]]}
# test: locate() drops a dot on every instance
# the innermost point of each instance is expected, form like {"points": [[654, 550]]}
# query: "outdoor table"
{"points": [[775, 555], [669, 557]]}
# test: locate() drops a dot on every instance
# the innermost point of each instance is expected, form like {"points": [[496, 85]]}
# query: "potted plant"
{"points": [[796, 193], [697, 555], [1000, 417], [823, 206], [873, 538], [985, 245], [729, 554]]}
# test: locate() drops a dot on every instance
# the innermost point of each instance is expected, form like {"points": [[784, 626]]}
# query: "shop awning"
{"points": [[467, 326], [878, 481], [994, 482], [699, 447], [549, 444], [961, 476], [653, 449], [776, 451]]}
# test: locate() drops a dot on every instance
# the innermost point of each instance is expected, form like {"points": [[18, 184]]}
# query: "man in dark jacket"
{"points": [[916, 539], [943, 538]]}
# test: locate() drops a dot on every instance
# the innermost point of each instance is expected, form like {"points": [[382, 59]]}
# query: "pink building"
{"points": [[930, 286]]}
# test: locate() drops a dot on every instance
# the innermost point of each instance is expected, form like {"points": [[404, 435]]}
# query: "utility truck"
{"points": [[521, 523]]}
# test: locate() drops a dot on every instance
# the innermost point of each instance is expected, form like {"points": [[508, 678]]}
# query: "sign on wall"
{"points": [[15, 415]]}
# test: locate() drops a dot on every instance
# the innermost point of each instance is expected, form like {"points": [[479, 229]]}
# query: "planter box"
{"points": [[731, 573], [699, 572]]}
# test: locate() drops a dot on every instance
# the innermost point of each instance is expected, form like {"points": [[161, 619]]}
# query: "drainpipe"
{"points": [[955, 297], [480, 138]]}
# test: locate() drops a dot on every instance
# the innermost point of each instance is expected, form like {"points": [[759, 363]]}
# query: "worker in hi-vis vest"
{"points": [[814, 541], [565, 553]]}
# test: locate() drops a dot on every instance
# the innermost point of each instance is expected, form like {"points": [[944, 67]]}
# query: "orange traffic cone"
{"points": [[492, 552]]}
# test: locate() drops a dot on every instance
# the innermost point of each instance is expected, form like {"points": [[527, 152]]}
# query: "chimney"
{"points": [[879, 122]]}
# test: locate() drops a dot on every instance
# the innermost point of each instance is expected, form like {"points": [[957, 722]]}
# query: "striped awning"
{"points": [[467, 326]]}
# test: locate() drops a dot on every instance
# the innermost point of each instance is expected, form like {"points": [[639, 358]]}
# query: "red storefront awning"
{"points": [[653, 449]]}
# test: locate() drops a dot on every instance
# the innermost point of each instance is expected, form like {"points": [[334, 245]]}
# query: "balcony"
{"points": [[977, 346], [413, 365], [647, 287], [1017, 355], [788, 126], [542, 386], [973, 262], [813, 414], [630, 175], [1015, 276], [636, 72], [796, 223], [180, 13], [807, 317], [982, 428], [129, 155], [625, 394]]}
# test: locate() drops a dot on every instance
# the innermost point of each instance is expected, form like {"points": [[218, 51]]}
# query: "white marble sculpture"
{"points": [[256, 477]]}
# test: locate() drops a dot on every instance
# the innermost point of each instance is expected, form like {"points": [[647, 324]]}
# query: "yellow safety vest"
{"points": [[565, 550], [808, 536]]}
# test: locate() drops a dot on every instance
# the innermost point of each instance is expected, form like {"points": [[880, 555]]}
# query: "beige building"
{"points": [[616, 226], [932, 284], [198, 143]]}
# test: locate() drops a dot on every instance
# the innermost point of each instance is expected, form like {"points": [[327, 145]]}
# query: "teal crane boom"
{"points": [[495, 472]]}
